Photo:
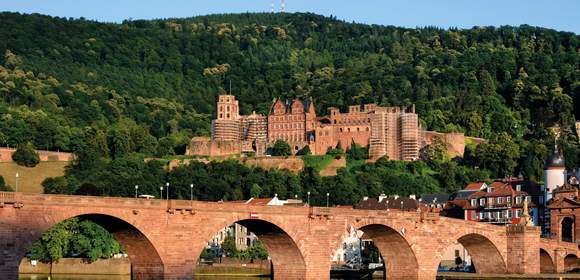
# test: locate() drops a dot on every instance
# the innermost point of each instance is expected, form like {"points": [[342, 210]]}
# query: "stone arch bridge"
{"points": [[165, 238]]}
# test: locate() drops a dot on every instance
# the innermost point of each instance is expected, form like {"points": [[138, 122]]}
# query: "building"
{"points": [[393, 132], [499, 203]]}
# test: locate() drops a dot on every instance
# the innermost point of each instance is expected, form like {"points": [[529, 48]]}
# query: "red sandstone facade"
{"points": [[387, 131], [164, 238]]}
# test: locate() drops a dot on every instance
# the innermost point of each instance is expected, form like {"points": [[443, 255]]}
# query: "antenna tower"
{"points": [[272, 7], [282, 7]]}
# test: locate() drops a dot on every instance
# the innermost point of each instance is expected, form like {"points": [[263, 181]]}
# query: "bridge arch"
{"points": [[546, 262], [278, 238], [570, 262], [486, 256], [398, 256], [146, 262]]}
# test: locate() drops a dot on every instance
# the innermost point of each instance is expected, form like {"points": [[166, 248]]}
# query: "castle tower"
{"points": [[227, 125], [554, 172]]}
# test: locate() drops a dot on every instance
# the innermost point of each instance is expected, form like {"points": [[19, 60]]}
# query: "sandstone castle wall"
{"points": [[387, 131]]}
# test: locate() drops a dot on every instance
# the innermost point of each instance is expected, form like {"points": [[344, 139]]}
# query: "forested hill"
{"points": [[156, 80]]}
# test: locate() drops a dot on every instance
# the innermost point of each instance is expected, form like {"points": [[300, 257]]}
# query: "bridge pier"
{"points": [[523, 250]]}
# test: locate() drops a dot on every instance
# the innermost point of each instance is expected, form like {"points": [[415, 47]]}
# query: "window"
{"points": [[480, 216], [500, 200], [518, 213], [519, 188], [541, 200], [509, 214], [508, 199], [482, 202], [456, 253], [489, 189], [490, 201], [474, 202], [518, 199]]}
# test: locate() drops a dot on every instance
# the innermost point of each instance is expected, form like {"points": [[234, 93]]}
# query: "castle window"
{"points": [[334, 121], [358, 129], [341, 129], [221, 116], [367, 129], [348, 129], [227, 108]]}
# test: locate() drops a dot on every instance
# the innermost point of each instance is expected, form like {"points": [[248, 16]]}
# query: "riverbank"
{"points": [[77, 266]]}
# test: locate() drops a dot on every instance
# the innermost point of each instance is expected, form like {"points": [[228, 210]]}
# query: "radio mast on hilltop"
{"points": [[282, 7], [272, 7]]}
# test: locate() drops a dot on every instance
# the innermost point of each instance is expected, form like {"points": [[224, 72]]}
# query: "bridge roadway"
{"points": [[164, 239]]}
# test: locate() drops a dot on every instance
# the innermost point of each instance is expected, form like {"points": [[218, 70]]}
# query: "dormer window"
{"points": [[519, 188], [518, 199], [482, 202], [474, 202], [489, 189]]}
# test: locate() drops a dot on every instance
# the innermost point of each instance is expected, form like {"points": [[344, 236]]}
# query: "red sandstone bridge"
{"points": [[165, 238]]}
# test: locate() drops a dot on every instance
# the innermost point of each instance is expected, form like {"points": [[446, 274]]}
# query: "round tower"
{"points": [[554, 172]]}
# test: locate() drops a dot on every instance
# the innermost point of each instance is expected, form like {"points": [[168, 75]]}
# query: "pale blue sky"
{"points": [[558, 14]]}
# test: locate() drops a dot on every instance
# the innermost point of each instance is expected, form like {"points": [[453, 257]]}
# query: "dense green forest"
{"points": [[113, 93]]}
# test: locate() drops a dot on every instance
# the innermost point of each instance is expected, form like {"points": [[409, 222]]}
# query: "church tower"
{"points": [[554, 172]]}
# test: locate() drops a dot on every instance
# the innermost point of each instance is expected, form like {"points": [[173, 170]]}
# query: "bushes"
{"points": [[281, 148], [26, 155]]}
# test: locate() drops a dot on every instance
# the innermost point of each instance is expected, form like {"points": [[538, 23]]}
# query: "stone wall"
{"points": [[204, 146], [455, 141], [294, 164], [6, 155], [76, 266]]}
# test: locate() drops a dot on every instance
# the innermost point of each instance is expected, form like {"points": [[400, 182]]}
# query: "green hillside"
{"points": [[106, 91]]}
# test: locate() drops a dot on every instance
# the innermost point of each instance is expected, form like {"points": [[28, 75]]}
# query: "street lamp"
{"points": [[167, 184], [191, 192], [327, 197], [308, 199], [136, 189], [17, 175], [161, 192]]}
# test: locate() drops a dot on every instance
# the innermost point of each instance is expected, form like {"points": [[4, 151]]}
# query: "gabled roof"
{"points": [[563, 203], [435, 198], [474, 186]]}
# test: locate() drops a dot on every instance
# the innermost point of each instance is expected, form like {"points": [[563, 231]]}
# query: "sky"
{"points": [[563, 15]]}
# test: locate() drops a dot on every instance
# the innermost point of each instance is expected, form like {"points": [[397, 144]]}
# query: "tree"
{"points": [[304, 151], [256, 191], [257, 251], [25, 155], [56, 185], [3, 186], [356, 152], [229, 246], [281, 148], [74, 237]]}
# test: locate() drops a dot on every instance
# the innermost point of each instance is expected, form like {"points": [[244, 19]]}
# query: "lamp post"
{"points": [[191, 192], [161, 192], [17, 175], [167, 184], [308, 199], [136, 189], [327, 199]]}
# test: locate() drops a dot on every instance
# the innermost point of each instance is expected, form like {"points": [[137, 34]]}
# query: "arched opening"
{"points": [[472, 253], [397, 255], [546, 263], [144, 261], [485, 257], [283, 259], [567, 229], [570, 262]]}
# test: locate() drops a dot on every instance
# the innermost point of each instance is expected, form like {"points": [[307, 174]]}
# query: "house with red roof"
{"points": [[499, 203]]}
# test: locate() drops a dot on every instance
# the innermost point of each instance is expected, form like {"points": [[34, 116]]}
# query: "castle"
{"points": [[387, 131]]}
